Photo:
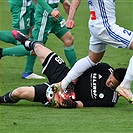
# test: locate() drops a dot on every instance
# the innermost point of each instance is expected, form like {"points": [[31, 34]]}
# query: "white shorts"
{"points": [[114, 35]]}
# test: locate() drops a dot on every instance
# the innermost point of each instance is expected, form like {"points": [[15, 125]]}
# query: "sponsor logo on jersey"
{"points": [[93, 83]]}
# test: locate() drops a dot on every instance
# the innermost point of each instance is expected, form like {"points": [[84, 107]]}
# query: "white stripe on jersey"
{"points": [[21, 22], [114, 99], [105, 15], [53, 1], [43, 25], [48, 62]]}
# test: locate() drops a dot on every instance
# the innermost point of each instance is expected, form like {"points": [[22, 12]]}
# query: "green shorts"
{"points": [[22, 17], [45, 24]]}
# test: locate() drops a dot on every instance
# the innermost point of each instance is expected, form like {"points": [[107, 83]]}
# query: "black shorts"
{"points": [[55, 69], [40, 93]]}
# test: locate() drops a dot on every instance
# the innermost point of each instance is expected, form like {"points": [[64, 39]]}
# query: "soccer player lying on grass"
{"points": [[95, 87]]}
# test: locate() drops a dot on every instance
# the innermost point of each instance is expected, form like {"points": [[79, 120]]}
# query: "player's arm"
{"points": [[98, 103], [79, 104], [45, 6], [73, 8], [66, 5]]}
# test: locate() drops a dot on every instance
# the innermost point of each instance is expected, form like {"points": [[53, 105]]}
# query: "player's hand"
{"points": [[56, 14], [63, 98], [56, 100], [66, 99], [70, 24]]}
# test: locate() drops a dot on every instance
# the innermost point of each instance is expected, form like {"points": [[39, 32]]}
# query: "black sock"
{"points": [[7, 98], [33, 43]]}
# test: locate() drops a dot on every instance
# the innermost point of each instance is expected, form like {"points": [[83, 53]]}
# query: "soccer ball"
{"points": [[49, 94]]}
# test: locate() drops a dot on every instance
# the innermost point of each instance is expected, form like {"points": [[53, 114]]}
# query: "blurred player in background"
{"points": [[49, 20], [23, 20]]}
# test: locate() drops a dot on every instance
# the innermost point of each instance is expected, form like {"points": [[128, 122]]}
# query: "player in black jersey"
{"points": [[95, 87]]}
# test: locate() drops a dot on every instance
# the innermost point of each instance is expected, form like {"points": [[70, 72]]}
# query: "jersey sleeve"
{"points": [[98, 103], [45, 5], [109, 101]]}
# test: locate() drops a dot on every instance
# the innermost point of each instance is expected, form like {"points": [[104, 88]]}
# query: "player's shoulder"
{"points": [[103, 64]]}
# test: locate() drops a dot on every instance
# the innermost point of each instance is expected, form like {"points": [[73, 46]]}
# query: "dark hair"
{"points": [[119, 74]]}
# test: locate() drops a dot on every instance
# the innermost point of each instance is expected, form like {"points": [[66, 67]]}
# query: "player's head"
{"points": [[116, 78]]}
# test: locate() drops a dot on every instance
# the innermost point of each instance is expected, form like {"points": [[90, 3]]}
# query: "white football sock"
{"points": [[77, 70], [126, 83]]}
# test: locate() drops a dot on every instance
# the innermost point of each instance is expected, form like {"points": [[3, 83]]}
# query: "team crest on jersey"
{"points": [[101, 95]]}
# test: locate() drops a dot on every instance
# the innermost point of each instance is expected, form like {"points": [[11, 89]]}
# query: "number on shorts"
{"points": [[62, 23], [28, 21], [127, 32], [59, 60]]}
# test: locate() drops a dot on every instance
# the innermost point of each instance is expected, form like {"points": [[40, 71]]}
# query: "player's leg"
{"points": [[66, 37], [25, 92], [116, 36], [80, 66], [6, 36], [40, 50], [20, 23], [131, 46], [49, 59], [124, 88], [69, 51], [96, 52], [15, 51]]}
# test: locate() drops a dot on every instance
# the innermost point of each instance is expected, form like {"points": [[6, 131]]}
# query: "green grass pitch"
{"points": [[28, 117]]}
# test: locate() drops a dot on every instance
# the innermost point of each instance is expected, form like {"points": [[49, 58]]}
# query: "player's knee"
{"points": [[69, 41], [131, 46], [37, 46], [17, 93]]}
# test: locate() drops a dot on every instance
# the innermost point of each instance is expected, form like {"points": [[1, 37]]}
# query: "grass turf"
{"points": [[34, 117]]}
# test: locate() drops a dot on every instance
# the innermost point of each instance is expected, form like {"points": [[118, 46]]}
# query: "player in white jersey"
{"points": [[125, 87], [103, 29]]}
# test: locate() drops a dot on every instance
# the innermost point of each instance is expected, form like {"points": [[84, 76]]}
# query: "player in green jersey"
{"points": [[23, 20], [49, 20], [52, 25]]}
